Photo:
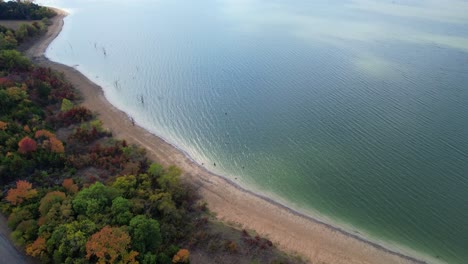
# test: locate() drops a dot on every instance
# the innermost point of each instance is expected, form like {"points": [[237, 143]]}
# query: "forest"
{"points": [[75, 194], [24, 11]]}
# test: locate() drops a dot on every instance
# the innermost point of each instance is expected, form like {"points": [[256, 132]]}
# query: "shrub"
{"points": [[13, 60]]}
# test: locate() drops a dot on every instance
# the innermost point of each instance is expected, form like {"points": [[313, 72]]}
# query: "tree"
{"points": [[19, 215], [169, 181], [68, 241], [145, 233], [126, 184], [27, 145], [110, 245], [155, 170], [22, 192], [66, 105], [3, 125], [120, 210], [13, 60], [37, 248], [43, 133], [56, 145], [49, 200], [26, 231], [181, 257], [70, 186], [94, 201], [7, 41]]}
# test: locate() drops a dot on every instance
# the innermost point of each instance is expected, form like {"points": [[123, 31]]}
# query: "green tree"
{"points": [[127, 185], [169, 181], [146, 236], [66, 105], [25, 232], [49, 200], [155, 170], [95, 201], [18, 215], [120, 211], [13, 60], [7, 41]]}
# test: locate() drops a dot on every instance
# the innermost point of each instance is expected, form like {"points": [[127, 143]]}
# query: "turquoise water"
{"points": [[357, 109]]}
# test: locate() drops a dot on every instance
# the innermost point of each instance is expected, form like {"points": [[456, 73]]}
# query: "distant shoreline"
{"points": [[292, 231]]}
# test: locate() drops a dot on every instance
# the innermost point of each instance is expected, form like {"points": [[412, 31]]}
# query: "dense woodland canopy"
{"points": [[74, 194], [26, 10]]}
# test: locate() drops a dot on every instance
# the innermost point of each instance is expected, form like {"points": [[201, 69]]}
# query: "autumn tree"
{"points": [[110, 245], [37, 248], [43, 133], [70, 186], [56, 145], [22, 192], [49, 141], [27, 145], [181, 257], [3, 125]]}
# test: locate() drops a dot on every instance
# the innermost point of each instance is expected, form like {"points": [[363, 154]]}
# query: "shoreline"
{"points": [[290, 230]]}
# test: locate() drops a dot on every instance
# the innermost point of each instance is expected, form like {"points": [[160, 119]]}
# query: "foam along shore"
{"points": [[313, 239]]}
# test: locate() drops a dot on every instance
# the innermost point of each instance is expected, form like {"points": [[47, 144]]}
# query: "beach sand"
{"points": [[316, 241]]}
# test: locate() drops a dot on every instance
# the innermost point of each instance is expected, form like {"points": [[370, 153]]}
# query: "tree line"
{"points": [[75, 194], [24, 11]]}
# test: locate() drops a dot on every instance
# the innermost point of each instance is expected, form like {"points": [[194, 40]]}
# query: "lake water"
{"points": [[353, 109]]}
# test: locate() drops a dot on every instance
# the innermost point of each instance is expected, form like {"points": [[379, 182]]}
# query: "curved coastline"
{"points": [[292, 230]]}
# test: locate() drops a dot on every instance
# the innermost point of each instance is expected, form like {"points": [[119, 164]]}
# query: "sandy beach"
{"points": [[311, 238]]}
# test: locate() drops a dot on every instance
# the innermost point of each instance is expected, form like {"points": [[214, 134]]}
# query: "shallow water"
{"points": [[355, 109]]}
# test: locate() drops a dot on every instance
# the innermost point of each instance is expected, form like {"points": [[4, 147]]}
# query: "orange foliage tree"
{"points": [[110, 245], [70, 186], [27, 145], [22, 192], [3, 125], [43, 133], [182, 256], [56, 145], [37, 248]]}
